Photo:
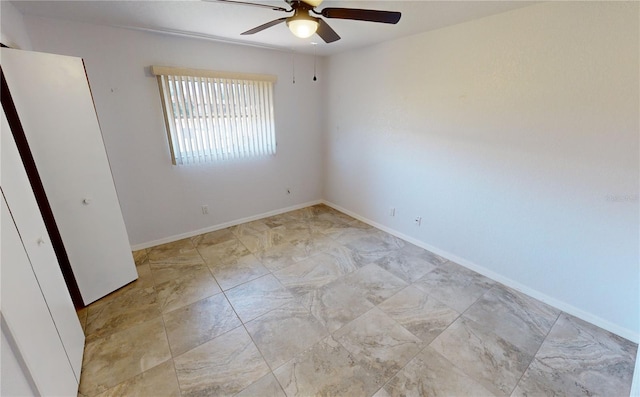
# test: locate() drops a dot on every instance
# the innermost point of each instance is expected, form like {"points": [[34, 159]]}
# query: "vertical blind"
{"points": [[214, 116]]}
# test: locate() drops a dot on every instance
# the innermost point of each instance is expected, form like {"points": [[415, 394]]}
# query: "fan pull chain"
{"points": [[293, 66], [315, 58]]}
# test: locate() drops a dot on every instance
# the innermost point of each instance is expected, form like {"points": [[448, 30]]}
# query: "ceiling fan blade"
{"points": [[326, 33], [362, 15], [246, 3], [265, 26]]}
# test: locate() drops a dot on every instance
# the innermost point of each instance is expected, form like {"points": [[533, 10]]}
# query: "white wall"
{"points": [[13, 32], [515, 137], [160, 200]]}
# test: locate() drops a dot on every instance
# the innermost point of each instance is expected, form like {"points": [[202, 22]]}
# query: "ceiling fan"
{"points": [[304, 25]]}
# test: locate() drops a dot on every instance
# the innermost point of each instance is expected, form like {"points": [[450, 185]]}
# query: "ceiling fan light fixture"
{"points": [[302, 27]]}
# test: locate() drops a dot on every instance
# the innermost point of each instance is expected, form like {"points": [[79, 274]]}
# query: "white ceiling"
{"points": [[225, 22]]}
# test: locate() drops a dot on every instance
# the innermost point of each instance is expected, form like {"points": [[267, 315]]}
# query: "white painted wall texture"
{"points": [[515, 137], [13, 32], [160, 200]]}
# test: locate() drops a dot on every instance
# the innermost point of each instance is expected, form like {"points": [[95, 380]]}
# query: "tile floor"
{"points": [[313, 302]]}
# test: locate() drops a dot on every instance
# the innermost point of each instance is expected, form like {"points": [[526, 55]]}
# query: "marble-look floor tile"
{"points": [[295, 221], [284, 332], [421, 314], [408, 268], [181, 251], [329, 228], [140, 256], [334, 216], [212, 238], [374, 283], [191, 257], [312, 273], [354, 266], [345, 258], [237, 271], [413, 250], [454, 285], [253, 227], [260, 241], [542, 380], [369, 249], [312, 211], [315, 243], [300, 214], [167, 271], [593, 358], [199, 322], [383, 393], [521, 320], [115, 358], [278, 220], [159, 381], [280, 256], [134, 307], [187, 289], [257, 297], [267, 386], [223, 252], [379, 344], [325, 369], [392, 241], [430, 374], [320, 225], [294, 230], [478, 352], [356, 230], [348, 232], [336, 304], [221, 367]]}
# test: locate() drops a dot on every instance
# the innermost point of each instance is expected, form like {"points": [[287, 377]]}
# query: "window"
{"points": [[214, 116]]}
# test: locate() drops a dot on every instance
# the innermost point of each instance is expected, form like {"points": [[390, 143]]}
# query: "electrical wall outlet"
{"points": [[392, 211], [418, 220], [205, 209]]}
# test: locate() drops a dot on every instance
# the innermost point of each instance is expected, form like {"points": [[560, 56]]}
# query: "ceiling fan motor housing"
{"points": [[310, 4]]}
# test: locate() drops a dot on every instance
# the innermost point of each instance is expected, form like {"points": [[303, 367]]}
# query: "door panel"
{"points": [[24, 209], [56, 110], [27, 317]]}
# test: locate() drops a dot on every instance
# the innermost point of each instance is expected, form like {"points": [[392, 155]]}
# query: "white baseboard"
{"points": [[635, 383], [558, 304], [219, 226]]}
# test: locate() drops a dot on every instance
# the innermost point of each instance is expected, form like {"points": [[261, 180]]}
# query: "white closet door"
{"points": [[24, 210], [27, 317], [56, 110], [14, 379]]}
